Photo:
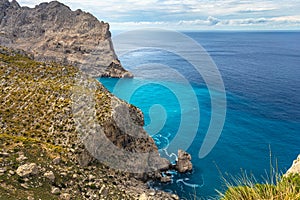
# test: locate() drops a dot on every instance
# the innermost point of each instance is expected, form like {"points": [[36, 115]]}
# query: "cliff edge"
{"points": [[295, 168], [46, 154], [52, 32]]}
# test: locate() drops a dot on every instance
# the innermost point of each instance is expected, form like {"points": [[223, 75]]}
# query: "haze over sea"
{"points": [[261, 74]]}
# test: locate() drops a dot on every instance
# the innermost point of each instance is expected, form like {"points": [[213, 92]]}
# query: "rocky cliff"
{"points": [[295, 168], [53, 32], [46, 151]]}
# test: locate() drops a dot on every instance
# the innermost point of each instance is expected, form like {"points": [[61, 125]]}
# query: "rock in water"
{"points": [[166, 179], [184, 163], [53, 32]]}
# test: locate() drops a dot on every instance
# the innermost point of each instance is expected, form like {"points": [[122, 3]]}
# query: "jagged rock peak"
{"points": [[14, 4], [52, 4], [6, 4], [53, 32]]}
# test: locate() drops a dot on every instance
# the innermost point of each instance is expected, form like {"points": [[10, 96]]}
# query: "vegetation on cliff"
{"points": [[41, 155], [279, 187]]}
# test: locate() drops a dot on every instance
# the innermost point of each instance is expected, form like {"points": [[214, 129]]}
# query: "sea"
{"points": [[260, 72]]}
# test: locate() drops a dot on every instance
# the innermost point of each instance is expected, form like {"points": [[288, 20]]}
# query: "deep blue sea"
{"points": [[261, 75]]}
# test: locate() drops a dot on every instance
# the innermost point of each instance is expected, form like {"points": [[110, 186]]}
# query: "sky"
{"points": [[191, 14]]}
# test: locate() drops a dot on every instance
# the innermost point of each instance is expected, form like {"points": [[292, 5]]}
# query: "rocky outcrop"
{"points": [[53, 32], [295, 168], [40, 123], [183, 163]]}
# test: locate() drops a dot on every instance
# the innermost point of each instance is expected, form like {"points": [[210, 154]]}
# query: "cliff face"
{"points": [[53, 32]]}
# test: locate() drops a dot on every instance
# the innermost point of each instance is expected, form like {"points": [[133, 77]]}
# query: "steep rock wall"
{"points": [[53, 32]]}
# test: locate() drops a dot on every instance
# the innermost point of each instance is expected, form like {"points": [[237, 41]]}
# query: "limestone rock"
{"points": [[21, 158], [50, 175], [184, 163], [55, 190], [56, 160], [143, 196], [295, 168], [53, 32], [25, 185], [65, 196], [166, 179], [84, 158], [174, 196], [4, 154], [91, 177], [2, 170], [27, 170]]}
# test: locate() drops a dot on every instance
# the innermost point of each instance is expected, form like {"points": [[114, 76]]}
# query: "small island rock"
{"points": [[183, 163]]}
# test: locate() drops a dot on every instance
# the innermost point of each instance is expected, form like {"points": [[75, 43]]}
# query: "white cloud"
{"points": [[284, 20], [212, 22], [192, 14]]}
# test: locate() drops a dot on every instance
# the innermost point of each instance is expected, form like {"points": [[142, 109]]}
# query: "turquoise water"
{"points": [[261, 76]]}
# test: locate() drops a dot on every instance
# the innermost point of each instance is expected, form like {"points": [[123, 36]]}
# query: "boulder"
{"points": [[50, 175], [65, 196], [143, 196], [183, 163], [27, 170], [56, 160], [166, 179], [55, 190]]}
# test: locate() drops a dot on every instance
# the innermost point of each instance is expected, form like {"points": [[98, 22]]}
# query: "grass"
{"points": [[275, 187], [286, 188], [37, 120]]}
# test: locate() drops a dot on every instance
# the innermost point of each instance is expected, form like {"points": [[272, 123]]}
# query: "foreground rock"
{"points": [[50, 175], [183, 163], [295, 168], [27, 170], [53, 32]]}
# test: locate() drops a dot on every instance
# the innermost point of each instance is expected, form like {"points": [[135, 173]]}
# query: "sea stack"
{"points": [[183, 163]]}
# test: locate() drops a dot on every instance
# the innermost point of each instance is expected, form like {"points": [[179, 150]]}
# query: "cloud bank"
{"points": [[191, 14]]}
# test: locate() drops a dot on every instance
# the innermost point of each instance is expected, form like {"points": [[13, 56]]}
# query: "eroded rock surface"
{"points": [[184, 163], [53, 32], [295, 168], [27, 170]]}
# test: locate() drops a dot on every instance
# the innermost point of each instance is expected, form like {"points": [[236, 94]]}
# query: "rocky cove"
{"points": [[46, 54]]}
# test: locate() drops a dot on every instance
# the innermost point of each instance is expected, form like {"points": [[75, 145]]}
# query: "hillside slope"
{"points": [[44, 153]]}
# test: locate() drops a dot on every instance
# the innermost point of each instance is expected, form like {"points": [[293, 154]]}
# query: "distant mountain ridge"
{"points": [[53, 32]]}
